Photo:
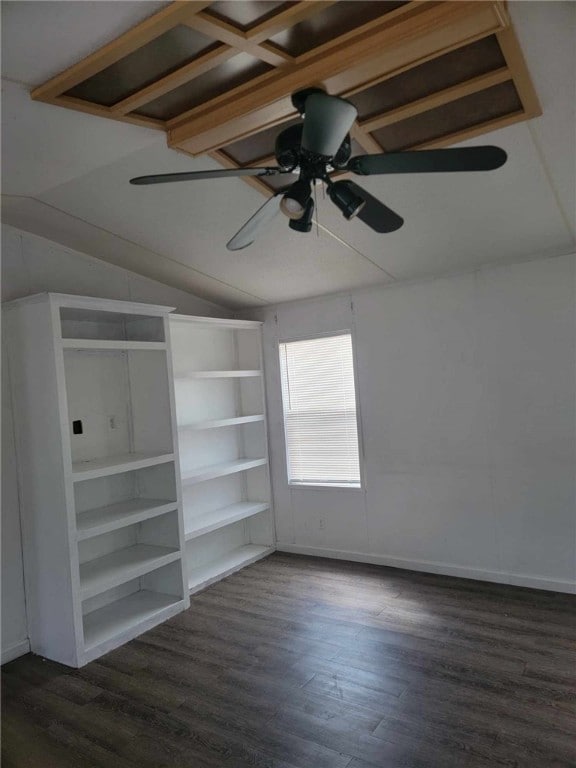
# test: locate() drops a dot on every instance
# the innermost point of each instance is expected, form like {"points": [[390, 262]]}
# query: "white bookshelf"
{"points": [[220, 413], [104, 545]]}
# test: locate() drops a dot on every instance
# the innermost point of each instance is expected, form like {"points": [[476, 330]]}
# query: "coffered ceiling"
{"points": [[213, 81], [217, 76]]}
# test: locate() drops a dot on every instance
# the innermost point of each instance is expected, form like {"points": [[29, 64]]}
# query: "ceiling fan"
{"points": [[321, 145]]}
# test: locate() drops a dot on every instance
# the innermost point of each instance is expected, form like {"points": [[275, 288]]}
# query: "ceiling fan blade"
{"points": [[485, 158], [373, 213], [327, 120], [250, 231], [163, 178]]}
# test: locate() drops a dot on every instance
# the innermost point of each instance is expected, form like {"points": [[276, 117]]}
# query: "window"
{"points": [[320, 411]]}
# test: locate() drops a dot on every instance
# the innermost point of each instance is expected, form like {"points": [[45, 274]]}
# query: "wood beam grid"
{"points": [[231, 35], [253, 181], [204, 63], [470, 133], [405, 43], [94, 109], [287, 18], [366, 141], [122, 46], [438, 99], [512, 52], [412, 8]]}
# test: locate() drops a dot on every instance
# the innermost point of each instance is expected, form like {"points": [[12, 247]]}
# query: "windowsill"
{"points": [[339, 486]]}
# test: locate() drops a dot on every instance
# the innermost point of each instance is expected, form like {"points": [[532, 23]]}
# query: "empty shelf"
{"points": [[198, 578], [124, 618], [118, 344], [94, 522], [219, 470], [118, 567], [219, 518], [216, 423], [219, 374], [113, 465]]}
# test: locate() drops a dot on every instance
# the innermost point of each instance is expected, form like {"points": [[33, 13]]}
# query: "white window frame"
{"points": [[310, 485]]}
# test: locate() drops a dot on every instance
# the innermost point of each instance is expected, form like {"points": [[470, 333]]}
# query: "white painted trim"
{"points": [[92, 302], [217, 322], [497, 577], [15, 650]]}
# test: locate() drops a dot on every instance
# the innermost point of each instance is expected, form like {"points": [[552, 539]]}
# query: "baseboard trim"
{"points": [[498, 577], [11, 652]]}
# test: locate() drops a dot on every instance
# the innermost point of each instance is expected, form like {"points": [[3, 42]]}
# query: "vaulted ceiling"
{"points": [[226, 70]]}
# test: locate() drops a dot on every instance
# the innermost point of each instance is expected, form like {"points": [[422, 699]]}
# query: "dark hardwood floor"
{"points": [[299, 662]]}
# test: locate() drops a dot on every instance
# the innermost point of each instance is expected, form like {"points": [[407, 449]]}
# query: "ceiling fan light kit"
{"points": [[304, 223], [295, 199], [346, 199], [321, 147]]}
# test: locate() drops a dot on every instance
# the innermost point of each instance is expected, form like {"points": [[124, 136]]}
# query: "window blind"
{"points": [[319, 402]]}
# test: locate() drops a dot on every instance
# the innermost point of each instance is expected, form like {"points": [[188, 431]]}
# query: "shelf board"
{"points": [[113, 465], [198, 578], [112, 344], [94, 522], [220, 470], [126, 618], [102, 573], [219, 518], [216, 423], [237, 374]]}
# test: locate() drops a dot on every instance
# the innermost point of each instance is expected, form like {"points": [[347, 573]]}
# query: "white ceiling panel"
{"points": [[43, 220], [44, 146], [40, 39], [457, 221]]}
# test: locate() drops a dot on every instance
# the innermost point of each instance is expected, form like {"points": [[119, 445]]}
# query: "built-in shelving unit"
{"points": [[100, 479], [223, 453]]}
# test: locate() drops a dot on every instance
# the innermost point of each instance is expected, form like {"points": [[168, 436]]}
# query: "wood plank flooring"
{"points": [[299, 662]]}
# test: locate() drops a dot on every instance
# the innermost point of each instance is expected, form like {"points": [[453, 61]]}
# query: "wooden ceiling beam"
{"points": [[252, 181], [287, 18], [405, 42], [204, 63], [122, 46], [438, 99], [94, 109], [366, 141], [470, 133], [516, 63], [229, 34]]}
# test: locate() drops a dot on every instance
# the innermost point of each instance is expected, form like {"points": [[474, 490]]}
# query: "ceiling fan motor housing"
{"points": [[289, 154]]}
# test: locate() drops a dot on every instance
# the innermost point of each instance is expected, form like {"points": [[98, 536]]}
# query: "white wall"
{"points": [[30, 265], [467, 397]]}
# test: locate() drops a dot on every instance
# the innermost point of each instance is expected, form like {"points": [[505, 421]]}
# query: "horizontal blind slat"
{"points": [[319, 401]]}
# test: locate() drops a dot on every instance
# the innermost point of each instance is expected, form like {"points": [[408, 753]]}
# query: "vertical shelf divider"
{"points": [[224, 460]]}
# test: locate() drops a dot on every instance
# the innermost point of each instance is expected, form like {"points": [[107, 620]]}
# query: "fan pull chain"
{"points": [[316, 208]]}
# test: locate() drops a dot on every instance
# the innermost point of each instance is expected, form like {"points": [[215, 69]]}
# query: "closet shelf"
{"points": [[127, 618], [220, 518], [232, 561], [118, 567], [113, 465], [94, 522], [218, 374], [116, 344], [216, 423], [220, 470]]}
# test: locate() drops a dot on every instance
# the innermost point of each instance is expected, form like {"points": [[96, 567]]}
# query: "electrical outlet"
{"points": [[112, 422], [321, 525]]}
